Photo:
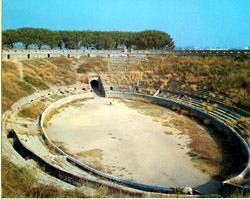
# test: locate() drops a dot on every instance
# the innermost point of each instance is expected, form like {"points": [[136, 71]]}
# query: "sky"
{"points": [[200, 23]]}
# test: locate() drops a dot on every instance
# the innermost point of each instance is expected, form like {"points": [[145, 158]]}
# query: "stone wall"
{"points": [[131, 184], [29, 54], [222, 127], [226, 130]]}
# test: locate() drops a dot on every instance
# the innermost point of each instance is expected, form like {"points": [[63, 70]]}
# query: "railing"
{"points": [[132, 184], [196, 109], [167, 102]]}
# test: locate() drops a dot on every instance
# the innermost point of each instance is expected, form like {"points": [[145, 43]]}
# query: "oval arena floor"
{"points": [[130, 140]]}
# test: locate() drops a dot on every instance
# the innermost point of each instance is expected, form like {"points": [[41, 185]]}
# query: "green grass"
{"points": [[13, 88], [82, 70], [18, 182], [25, 86], [240, 194], [30, 111], [36, 82]]}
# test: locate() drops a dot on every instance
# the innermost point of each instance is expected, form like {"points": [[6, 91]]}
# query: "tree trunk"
{"points": [[116, 44]]}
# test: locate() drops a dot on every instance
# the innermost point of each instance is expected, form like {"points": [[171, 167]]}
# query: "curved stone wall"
{"points": [[221, 126], [132, 184]]}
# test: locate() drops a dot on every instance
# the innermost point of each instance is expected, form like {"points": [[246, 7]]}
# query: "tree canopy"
{"points": [[152, 39], [148, 39]]}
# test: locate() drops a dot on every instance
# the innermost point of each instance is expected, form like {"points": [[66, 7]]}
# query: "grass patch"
{"points": [[13, 88], [30, 111], [40, 105], [217, 75], [12, 177], [82, 70], [240, 194], [26, 87], [18, 182], [53, 71], [62, 61], [56, 97], [49, 116], [38, 83], [93, 64], [168, 133]]}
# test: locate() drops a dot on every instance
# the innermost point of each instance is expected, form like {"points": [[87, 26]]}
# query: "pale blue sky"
{"points": [[212, 23]]}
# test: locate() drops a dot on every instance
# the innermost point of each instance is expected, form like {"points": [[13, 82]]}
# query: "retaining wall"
{"points": [[101, 86], [29, 54], [132, 184], [222, 127]]}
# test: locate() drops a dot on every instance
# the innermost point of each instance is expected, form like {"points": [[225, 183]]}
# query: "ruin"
{"points": [[70, 170]]}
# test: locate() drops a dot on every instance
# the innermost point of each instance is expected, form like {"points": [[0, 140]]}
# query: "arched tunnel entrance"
{"points": [[95, 85]]}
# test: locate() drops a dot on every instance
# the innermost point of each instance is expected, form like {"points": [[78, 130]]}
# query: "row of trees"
{"points": [[148, 39]]}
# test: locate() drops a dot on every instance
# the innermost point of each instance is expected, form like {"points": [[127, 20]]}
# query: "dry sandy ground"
{"points": [[126, 143]]}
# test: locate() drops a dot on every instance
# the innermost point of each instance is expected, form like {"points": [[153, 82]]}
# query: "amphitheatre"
{"points": [[128, 123]]}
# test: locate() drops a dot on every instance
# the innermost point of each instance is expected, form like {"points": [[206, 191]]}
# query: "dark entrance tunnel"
{"points": [[95, 85]]}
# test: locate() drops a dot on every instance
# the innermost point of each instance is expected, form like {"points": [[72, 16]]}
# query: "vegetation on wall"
{"points": [[38, 74], [89, 64], [229, 76], [42, 74], [148, 39], [225, 75], [13, 88], [216, 76]]}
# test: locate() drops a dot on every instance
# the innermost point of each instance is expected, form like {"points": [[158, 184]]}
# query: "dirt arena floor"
{"points": [[132, 140]]}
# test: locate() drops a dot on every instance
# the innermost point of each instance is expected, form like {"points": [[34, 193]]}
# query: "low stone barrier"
{"points": [[131, 184], [222, 127]]}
